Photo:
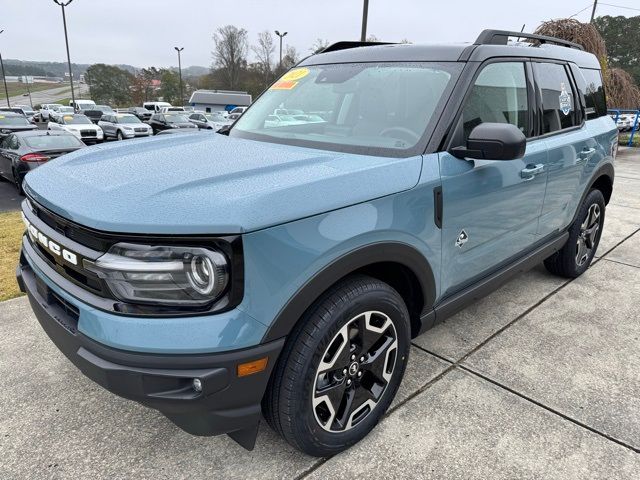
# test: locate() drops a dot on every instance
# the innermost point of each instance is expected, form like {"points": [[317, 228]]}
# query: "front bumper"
{"points": [[226, 403]]}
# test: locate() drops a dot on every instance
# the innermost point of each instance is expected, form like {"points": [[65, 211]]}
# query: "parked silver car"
{"points": [[123, 125]]}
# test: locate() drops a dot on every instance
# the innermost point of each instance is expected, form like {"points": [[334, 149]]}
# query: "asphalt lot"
{"points": [[9, 198], [538, 380]]}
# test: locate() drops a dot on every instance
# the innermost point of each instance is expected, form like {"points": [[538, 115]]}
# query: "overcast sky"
{"points": [[144, 32]]}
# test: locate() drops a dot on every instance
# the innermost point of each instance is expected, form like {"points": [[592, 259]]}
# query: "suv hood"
{"points": [[209, 184]]}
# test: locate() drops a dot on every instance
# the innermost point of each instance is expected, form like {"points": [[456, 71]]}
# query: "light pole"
{"points": [[281, 35], [593, 12], [66, 39], [365, 14], [180, 73], [4, 79]]}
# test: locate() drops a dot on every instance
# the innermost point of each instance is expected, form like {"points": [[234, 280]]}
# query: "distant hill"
{"points": [[58, 69]]}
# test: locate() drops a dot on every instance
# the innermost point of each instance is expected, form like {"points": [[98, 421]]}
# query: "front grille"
{"points": [[88, 133], [140, 130]]}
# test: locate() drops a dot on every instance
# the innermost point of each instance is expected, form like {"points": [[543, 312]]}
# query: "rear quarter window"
{"points": [[594, 95]]}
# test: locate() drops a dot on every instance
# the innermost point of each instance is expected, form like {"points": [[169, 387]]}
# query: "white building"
{"points": [[216, 100]]}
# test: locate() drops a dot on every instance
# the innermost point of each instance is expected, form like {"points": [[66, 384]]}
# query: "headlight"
{"points": [[167, 275], [127, 128]]}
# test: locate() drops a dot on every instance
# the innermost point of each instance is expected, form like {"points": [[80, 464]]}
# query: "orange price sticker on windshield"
{"points": [[68, 117], [283, 85]]}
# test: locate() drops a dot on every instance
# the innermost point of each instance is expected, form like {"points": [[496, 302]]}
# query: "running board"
{"points": [[458, 301]]}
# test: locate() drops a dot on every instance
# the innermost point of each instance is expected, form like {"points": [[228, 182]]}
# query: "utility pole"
{"points": [[593, 12], [281, 35], [28, 91], [4, 79], [365, 14], [180, 73], [66, 39]]}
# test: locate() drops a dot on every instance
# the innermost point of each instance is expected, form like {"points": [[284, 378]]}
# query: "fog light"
{"points": [[197, 385]]}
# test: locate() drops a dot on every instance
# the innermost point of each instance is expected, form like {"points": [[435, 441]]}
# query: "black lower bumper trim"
{"points": [[225, 404]]}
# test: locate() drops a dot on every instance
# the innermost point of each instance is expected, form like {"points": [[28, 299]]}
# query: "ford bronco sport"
{"points": [[283, 269]]}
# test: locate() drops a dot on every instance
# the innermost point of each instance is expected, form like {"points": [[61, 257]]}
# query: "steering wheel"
{"points": [[405, 134]]}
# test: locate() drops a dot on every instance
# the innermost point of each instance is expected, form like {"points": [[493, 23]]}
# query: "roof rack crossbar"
{"points": [[501, 37], [346, 44]]}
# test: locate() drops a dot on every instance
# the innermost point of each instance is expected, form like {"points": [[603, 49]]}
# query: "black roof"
{"points": [[490, 44]]}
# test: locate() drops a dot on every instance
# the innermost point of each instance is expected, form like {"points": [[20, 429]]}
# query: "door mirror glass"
{"points": [[493, 141]]}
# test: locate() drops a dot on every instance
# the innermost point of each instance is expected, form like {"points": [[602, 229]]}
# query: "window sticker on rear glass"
{"points": [[565, 99]]}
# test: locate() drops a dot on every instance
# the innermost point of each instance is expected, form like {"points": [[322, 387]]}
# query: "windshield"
{"points": [[66, 110], [350, 107], [174, 118], [76, 120], [128, 119], [46, 142], [18, 120]]}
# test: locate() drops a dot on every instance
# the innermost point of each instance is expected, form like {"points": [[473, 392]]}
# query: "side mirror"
{"points": [[493, 141]]}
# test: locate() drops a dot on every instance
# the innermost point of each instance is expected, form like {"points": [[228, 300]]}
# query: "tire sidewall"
{"points": [[309, 431]]}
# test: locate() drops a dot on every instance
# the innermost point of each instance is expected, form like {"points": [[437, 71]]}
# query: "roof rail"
{"points": [[501, 37], [346, 44]]}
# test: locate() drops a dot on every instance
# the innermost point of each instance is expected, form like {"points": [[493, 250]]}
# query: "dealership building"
{"points": [[216, 100]]}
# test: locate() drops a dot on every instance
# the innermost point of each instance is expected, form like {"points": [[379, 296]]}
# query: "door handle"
{"points": [[531, 171], [584, 156]]}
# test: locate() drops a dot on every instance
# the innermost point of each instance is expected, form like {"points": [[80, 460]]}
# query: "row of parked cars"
{"points": [[24, 146], [625, 121]]}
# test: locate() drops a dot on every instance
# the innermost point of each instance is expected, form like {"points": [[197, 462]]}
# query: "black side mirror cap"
{"points": [[493, 141]]}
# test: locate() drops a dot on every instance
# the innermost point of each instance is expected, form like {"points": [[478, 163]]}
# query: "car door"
{"points": [[491, 208], [570, 144], [5, 159]]}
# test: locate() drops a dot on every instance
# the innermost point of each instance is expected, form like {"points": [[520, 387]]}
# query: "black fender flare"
{"points": [[396, 252], [604, 170]]}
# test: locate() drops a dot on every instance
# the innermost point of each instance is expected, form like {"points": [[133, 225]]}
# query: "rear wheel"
{"points": [[17, 181], [584, 236], [341, 367]]}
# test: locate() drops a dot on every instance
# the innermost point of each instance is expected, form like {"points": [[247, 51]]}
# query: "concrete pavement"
{"points": [[539, 380], [52, 95]]}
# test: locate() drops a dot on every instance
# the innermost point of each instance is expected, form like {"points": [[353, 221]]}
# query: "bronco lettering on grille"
{"points": [[59, 251]]}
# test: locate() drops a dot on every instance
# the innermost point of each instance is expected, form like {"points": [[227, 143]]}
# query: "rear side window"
{"points": [[499, 95], [558, 98], [596, 104]]}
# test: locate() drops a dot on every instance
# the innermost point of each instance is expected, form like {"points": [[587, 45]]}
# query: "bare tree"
{"points": [[264, 51], [290, 57], [231, 46], [372, 38], [319, 45]]}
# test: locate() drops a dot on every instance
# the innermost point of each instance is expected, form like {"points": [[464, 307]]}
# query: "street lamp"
{"points": [[4, 79], [281, 35], [66, 39], [365, 14], [180, 72]]}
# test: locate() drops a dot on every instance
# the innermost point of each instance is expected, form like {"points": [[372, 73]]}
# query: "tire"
{"points": [[584, 236], [325, 347], [17, 181], [119, 136]]}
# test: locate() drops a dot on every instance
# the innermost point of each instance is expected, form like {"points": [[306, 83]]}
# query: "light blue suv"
{"points": [[282, 269]]}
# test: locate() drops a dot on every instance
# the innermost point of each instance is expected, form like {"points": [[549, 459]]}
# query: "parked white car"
{"points": [[155, 106], [123, 125], [58, 112], [81, 104], [80, 126], [46, 109], [172, 109]]}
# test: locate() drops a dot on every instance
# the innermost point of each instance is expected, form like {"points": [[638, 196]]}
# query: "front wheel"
{"points": [[341, 367], [584, 236], [119, 136]]}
